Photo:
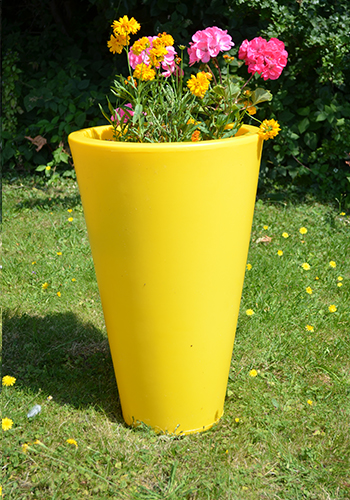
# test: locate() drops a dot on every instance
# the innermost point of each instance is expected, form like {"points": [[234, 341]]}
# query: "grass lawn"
{"points": [[285, 431]]}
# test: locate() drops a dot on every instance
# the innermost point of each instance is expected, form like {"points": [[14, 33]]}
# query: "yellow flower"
{"points": [[317, 278], [237, 420], [342, 213], [305, 266], [332, 308], [339, 284], [58, 294], [157, 55], [140, 45], [44, 286], [1, 491], [144, 72], [309, 402], [285, 235], [199, 84], [309, 328], [69, 210], [34, 262], [253, 373], [308, 290], [48, 167], [117, 43], [72, 441], [303, 230], [8, 381], [265, 227], [280, 253], [249, 266], [269, 129], [7, 423], [340, 278], [73, 279], [25, 447], [195, 136], [70, 219], [59, 253], [249, 312], [333, 264], [163, 38], [124, 26]]}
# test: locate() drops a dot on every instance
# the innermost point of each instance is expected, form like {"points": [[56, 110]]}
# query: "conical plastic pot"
{"points": [[169, 227]]}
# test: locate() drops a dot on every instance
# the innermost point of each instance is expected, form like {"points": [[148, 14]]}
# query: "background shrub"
{"points": [[57, 68]]}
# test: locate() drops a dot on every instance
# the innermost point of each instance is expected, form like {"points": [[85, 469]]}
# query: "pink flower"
{"points": [[266, 58], [168, 65], [122, 116], [208, 43]]}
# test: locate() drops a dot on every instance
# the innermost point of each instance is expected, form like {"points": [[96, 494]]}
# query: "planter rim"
{"points": [[102, 137]]}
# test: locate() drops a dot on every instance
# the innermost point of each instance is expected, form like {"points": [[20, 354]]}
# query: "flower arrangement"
{"points": [[156, 103]]}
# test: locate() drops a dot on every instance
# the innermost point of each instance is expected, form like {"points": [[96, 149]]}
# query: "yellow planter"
{"points": [[169, 227]]}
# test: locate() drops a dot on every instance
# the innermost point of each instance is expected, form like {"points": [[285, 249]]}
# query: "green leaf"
{"points": [[310, 139], [304, 111], [260, 95], [137, 113], [40, 168], [303, 125]]}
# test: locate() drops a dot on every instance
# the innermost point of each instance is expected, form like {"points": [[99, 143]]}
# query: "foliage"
{"points": [[270, 443]]}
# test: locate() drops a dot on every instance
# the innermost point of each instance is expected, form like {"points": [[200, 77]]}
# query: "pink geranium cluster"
{"points": [[266, 58], [208, 43], [168, 64]]}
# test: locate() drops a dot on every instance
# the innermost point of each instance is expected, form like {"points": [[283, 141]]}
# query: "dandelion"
{"points": [[340, 278], [269, 129], [124, 26], [332, 308], [70, 219], [199, 84], [317, 278], [7, 423], [249, 266], [8, 381], [339, 284], [34, 262], [309, 402], [69, 210], [333, 264], [305, 266], [1, 491], [73, 442], [44, 286], [58, 294], [285, 235], [303, 230], [236, 420], [48, 167], [308, 290], [310, 328], [265, 227], [249, 312], [342, 213], [280, 253], [253, 373], [73, 279], [59, 253], [25, 447]]}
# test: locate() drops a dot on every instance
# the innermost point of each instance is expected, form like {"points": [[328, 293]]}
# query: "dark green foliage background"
{"points": [[56, 69]]}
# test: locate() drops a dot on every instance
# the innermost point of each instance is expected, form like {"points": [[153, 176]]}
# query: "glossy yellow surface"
{"points": [[169, 227]]}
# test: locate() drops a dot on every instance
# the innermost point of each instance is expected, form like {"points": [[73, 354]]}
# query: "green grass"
{"points": [[270, 444]]}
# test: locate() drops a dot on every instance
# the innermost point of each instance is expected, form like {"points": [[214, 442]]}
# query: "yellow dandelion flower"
{"points": [[58, 294], [124, 26], [59, 253], [7, 423], [340, 278], [339, 284], [265, 227], [25, 447], [44, 286], [303, 230], [34, 262], [196, 136], [280, 253], [70, 219], [117, 43], [269, 129], [285, 235], [0, 491], [237, 420], [73, 442], [333, 264], [309, 402], [317, 278], [305, 266], [249, 266], [253, 373], [342, 213], [73, 279], [48, 167], [7, 380], [144, 72], [310, 328], [249, 312], [332, 308], [308, 290], [199, 84], [69, 210]]}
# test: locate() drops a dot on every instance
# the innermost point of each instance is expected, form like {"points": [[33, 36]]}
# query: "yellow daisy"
{"points": [[124, 26], [199, 84], [7, 423], [8, 381]]}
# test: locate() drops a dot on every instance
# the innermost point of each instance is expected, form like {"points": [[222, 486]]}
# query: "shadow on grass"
{"points": [[62, 357]]}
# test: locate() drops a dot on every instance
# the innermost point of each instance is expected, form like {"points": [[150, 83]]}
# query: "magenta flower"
{"points": [[122, 116], [168, 65], [208, 43], [266, 58]]}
